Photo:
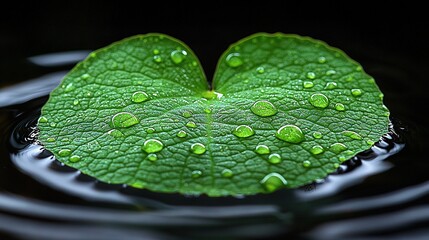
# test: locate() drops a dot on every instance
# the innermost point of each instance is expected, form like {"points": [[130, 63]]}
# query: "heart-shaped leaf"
{"points": [[284, 111]]}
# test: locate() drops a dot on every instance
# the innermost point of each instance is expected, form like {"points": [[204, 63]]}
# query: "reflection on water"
{"points": [[41, 198]]}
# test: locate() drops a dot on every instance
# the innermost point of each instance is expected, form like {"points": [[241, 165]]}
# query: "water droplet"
{"points": [[150, 130], [308, 84], [196, 173], [64, 152], [352, 135], [52, 124], [43, 120], [330, 72], [274, 158], [319, 100], [243, 131], [306, 164], [317, 135], [234, 60], [263, 108], [155, 51], [50, 139], [198, 148], [152, 157], [115, 133], [331, 85], [191, 124], [338, 147], [260, 69], [76, 102], [273, 182], [69, 87], [311, 75], [157, 58], [187, 114], [178, 56], [262, 149], [74, 158], [226, 173], [290, 133], [139, 97], [124, 120], [85, 76], [356, 92], [316, 150], [207, 110], [182, 134], [340, 107], [370, 142], [152, 146], [321, 59]]}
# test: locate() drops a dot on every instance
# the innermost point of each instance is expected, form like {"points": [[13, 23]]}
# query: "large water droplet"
{"points": [[311, 75], [226, 173], [290, 133], [152, 157], [340, 107], [198, 148], [178, 56], [356, 92], [191, 124], [75, 158], [152, 146], [196, 173], [243, 131], [352, 135], [64, 152], [338, 147], [234, 60], [262, 149], [274, 158], [308, 84], [139, 97], [273, 182], [319, 100], [124, 120], [182, 134], [331, 85], [316, 150], [263, 108], [187, 114]]}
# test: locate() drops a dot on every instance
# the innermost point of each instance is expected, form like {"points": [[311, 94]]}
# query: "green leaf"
{"points": [[284, 111]]}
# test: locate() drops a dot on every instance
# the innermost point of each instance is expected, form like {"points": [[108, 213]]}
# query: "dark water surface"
{"points": [[382, 193]]}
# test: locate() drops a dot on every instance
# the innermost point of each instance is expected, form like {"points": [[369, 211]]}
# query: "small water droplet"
{"points": [[319, 100], [263, 108], [340, 107], [187, 114], [316, 150], [69, 87], [243, 131], [152, 146], [93, 54], [274, 158], [338, 147], [331, 85], [226, 173], [352, 135], [85, 76], [124, 120], [150, 130], [139, 97], [306, 164], [321, 59], [178, 56], [308, 84], [152, 157], [115, 133], [262, 149], [155, 51], [260, 69], [75, 158], [64, 152], [273, 182], [317, 135], [207, 110], [50, 139], [157, 58], [356, 92], [191, 124], [330, 72], [52, 124], [182, 134], [311, 75], [76, 102], [196, 173], [290, 133], [234, 60], [370, 142], [43, 120], [198, 148]]}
